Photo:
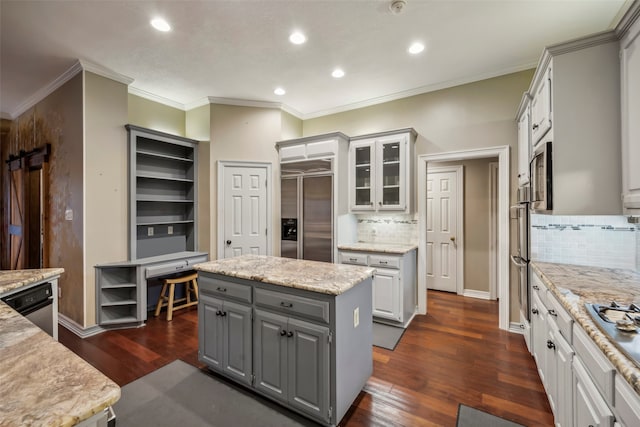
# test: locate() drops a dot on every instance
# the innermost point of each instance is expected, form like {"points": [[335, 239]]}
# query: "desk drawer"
{"points": [[224, 289], [162, 269], [353, 258], [293, 304], [384, 261]]}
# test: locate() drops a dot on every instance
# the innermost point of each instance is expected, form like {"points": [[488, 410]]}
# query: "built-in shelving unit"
{"points": [[163, 193]]}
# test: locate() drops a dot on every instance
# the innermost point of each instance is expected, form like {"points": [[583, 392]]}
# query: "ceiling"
{"points": [[239, 50]]}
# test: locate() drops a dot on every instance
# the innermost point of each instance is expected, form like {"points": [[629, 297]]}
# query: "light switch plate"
{"points": [[170, 229], [149, 231]]}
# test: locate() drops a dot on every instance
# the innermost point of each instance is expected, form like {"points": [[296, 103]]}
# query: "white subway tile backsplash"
{"points": [[599, 241], [387, 228]]}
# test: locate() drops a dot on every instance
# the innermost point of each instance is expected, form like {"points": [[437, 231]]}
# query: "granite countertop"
{"points": [[390, 248], [41, 381], [575, 285], [314, 276], [14, 279]]}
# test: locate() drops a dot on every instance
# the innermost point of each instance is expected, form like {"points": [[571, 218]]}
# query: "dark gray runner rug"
{"points": [[472, 417], [179, 394], [386, 336]]}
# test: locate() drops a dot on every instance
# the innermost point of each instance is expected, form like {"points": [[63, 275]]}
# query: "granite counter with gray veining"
{"points": [[390, 248], [314, 276], [575, 285], [41, 381], [15, 279]]}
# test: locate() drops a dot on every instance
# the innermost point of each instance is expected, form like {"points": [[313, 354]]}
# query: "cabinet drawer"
{"points": [[599, 367], [627, 403], [223, 288], [172, 267], [293, 304], [384, 261], [538, 288], [562, 318], [353, 258]]}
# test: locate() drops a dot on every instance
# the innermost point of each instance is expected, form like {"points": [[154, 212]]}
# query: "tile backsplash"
{"points": [[387, 228], [598, 241]]}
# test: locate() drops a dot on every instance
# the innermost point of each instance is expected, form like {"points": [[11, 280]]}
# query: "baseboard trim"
{"points": [[516, 328], [77, 329], [476, 294]]}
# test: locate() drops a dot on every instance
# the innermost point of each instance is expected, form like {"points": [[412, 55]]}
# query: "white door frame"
{"points": [[502, 152], [493, 233], [459, 171], [222, 164]]}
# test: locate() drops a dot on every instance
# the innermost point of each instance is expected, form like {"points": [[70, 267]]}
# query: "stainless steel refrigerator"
{"points": [[306, 210]]}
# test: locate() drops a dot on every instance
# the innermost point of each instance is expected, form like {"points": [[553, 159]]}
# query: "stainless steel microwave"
{"points": [[541, 178]]}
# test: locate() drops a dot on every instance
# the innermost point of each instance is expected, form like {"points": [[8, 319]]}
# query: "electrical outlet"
{"points": [[356, 317], [68, 214], [170, 229], [149, 231]]}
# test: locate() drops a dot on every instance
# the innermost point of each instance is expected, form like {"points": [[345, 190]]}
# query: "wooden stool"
{"points": [[191, 287]]}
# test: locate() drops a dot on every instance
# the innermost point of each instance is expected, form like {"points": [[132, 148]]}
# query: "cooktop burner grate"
{"points": [[620, 324]]}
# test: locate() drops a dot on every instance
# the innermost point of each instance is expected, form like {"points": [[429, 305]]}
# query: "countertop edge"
{"points": [[390, 248]]}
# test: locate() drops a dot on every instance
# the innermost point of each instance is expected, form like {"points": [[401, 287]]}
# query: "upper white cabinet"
{"points": [[524, 139], [380, 172], [541, 106], [312, 147], [630, 89], [576, 106]]}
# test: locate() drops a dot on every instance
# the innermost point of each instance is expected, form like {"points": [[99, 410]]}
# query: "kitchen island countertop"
{"points": [[41, 381], [390, 248], [576, 285], [314, 276]]}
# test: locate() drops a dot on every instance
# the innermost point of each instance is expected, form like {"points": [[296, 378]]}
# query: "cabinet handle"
{"points": [[218, 313], [353, 259], [550, 344], [380, 203], [289, 334], [370, 203], [223, 313], [384, 262], [536, 287], [283, 333], [221, 289], [534, 127], [534, 311], [553, 312], [286, 304]]}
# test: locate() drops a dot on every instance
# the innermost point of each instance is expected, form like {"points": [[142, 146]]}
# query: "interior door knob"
{"points": [[228, 242], [452, 238]]}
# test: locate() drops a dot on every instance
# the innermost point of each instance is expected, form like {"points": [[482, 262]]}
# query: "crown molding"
{"points": [[104, 72], [417, 91], [631, 15], [157, 98], [5, 116], [47, 90]]}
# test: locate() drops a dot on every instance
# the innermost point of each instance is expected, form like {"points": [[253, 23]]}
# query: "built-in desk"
{"points": [[121, 287]]}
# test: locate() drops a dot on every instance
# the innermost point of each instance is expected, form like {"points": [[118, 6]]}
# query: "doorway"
{"points": [[502, 252], [244, 209]]}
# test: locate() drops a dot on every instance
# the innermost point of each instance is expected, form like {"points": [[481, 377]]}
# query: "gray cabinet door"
{"points": [[270, 354], [210, 331], [237, 341], [308, 360]]}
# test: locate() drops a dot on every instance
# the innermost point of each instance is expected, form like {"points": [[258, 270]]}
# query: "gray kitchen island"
{"points": [[298, 332]]}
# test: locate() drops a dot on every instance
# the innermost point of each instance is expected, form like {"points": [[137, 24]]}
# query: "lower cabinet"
{"points": [[590, 408], [291, 359], [226, 337], [386, 295], [309, 351]]}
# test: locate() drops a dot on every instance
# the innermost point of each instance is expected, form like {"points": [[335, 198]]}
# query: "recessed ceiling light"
{"points": [[416, 48], [338, 73], [279, 91], [160, 24], [297, 37]]}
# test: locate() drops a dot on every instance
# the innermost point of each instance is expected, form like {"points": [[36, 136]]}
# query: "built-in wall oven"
{"points": [[541, 178]]}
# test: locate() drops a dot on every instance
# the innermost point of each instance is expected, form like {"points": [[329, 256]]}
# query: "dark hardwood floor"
{"points": [[454, 354]]}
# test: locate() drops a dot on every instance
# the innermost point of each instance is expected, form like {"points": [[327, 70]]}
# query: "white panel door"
{"points": [[442, 213], [245, 211]]}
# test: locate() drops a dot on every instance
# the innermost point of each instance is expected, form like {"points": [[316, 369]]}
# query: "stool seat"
{"points": [[167, 294]]}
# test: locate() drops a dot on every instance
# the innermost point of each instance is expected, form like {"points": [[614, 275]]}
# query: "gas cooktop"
{"points": [[620, 324]]}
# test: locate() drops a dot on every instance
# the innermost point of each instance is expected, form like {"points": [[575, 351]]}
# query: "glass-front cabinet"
{"points": [[381, 172]]}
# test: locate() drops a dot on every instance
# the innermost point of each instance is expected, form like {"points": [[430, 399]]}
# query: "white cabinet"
{"points": [[590, 409], [380, 172], [630, 90], [524, 139], [627, 403], [310, 148], [394, 284], [541, 107], [576, 106]]}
